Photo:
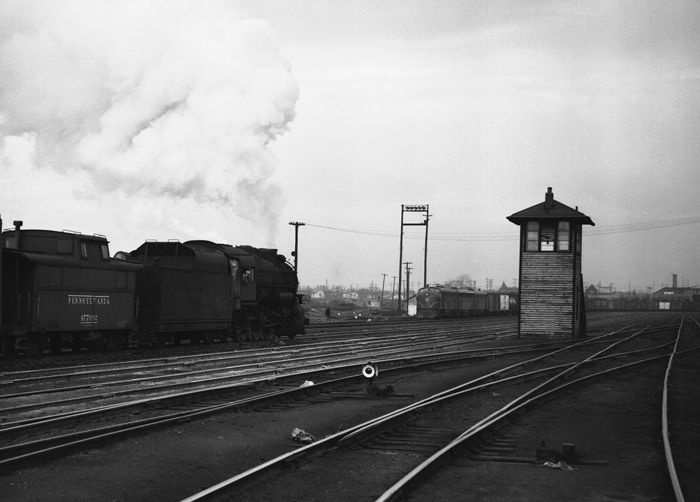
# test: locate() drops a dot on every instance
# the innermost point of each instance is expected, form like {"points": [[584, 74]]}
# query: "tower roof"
{"points": [[550, 209]]}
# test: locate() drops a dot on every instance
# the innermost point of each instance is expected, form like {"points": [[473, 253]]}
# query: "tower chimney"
{"points": [[549, 199], [675, 281]]}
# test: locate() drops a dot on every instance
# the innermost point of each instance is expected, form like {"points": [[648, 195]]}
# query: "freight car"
{"points": [[434, 302], [63, 289]]}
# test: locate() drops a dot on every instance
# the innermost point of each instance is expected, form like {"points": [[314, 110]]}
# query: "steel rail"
{"points": [[473, 383], [396, 491], [418, 360], [255, 357], [337, 439], [164, 363], [526, 399], [670, 465], [462, 389], [354, 336], [11, 378], [340, 363], [54, 445], [57, 444], [373, 351]]}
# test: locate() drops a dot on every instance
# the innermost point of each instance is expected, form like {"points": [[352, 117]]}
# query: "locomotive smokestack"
{"points": [[549, 199]]}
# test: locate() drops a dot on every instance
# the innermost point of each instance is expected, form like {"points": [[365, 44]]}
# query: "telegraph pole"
{"points": [[423, 208], [398, 302], [382, 297], [425, 249], [408, 283], [296, 224]]}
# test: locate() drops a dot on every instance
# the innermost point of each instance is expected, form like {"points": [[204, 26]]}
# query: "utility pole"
{"points": [[408, 283], [425, 249], [382, 297], [296, 224], [424, 208]]}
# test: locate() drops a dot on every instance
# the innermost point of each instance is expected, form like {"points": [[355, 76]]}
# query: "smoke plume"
{"points": [[168, 101]]}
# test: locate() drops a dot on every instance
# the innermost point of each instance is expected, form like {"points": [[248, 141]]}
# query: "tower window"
{"points": [[548, 236], [533, 236], [563, 236]]}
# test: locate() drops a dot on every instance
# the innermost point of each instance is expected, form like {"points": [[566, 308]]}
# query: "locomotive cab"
{"points": [[269, 305]]}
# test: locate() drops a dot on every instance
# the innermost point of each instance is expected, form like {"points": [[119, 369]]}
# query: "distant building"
{"points": [[678, 294], [666, 298], [507, 290], [675, 293]]}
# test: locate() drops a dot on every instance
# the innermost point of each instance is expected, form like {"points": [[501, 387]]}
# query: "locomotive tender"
{"points": [[434, 302], [63, 289]]}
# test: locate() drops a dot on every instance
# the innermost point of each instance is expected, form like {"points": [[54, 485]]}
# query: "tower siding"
{"points": [[547, 294]]}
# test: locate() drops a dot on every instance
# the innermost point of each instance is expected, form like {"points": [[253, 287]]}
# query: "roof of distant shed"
{"points": [[550, 209]]}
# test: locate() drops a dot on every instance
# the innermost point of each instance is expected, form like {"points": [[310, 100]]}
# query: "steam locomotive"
{"points": [[61, 288]]}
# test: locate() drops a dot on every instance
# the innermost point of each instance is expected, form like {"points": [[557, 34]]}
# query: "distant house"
{"points": [[505, 289], [318, 295], [600, 298]]}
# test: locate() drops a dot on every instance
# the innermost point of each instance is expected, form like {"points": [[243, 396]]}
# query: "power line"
{"points": [[503, 236]]}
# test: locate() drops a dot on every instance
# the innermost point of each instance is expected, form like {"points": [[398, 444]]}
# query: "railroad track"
{"points": [[405, 453], [25, 439], [132, 378], [331, 331]]}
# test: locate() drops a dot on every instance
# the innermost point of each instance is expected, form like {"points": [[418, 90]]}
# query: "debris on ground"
{"points": [[561, 465], [307, 383], [301, 436]]}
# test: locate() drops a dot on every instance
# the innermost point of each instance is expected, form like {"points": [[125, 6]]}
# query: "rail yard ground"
{"points": [[614, 424]]}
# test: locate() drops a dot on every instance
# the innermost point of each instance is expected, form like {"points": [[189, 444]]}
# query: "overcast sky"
{"points": [[228, 120]]}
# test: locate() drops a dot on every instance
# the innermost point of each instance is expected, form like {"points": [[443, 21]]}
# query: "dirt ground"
{"points": [[617, 423]]}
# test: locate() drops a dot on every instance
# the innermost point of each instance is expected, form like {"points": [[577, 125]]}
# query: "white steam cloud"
{"points": [[145, 100]]}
